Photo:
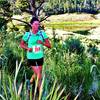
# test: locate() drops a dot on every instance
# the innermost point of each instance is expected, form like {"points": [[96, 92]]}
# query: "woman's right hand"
{"points": [[29, 49], [24, 46]]}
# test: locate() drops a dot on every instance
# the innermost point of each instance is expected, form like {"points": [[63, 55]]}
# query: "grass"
{"points": [[73, 26], [9, 88], [68, 69], [8, 92], [72, 71]]}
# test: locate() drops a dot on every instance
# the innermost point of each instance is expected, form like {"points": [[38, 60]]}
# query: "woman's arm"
{"points": [[45, 43], [24, 46]]}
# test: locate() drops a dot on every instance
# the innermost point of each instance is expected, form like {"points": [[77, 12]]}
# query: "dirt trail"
{"points": [[95, 33]]}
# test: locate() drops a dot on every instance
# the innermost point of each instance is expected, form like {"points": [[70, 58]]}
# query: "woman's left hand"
{"points": [[39, 42]]}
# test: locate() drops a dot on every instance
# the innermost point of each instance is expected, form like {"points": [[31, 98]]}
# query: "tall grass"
{"points": [[10, 88], [65, 67], [70, 68]]}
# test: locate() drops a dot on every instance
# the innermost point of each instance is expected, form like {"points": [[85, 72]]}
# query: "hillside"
{"points": [[94, 32]]}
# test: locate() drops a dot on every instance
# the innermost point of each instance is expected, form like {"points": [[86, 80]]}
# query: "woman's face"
{"points": [[35, 25]]}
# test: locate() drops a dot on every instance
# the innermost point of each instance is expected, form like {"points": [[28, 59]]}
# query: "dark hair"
{"points": [[33, 19]]}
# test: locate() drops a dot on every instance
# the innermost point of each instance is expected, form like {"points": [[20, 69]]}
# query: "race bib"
{"points": [[36, 49]]}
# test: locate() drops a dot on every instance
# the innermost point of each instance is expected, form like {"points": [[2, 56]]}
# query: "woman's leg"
{"points": [[38, 72], [32, 78]]}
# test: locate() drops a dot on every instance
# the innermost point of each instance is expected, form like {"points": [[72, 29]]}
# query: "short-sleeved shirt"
{"points": [[31, 39]]}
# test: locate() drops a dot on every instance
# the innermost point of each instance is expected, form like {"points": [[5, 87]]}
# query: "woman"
{"points": [[33, 43]]}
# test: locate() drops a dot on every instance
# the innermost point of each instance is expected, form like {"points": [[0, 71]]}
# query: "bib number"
{"points": [[36, 49]]}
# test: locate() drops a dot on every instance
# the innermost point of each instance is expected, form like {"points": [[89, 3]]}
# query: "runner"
{"points": [[33, 43]]}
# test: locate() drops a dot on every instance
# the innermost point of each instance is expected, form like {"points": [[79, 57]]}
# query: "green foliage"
{"points": [[74, 45], [71, 71], [66, 61], [50, 7], [22, 4], [63, 6], [9, 89], [3, 35], [54, 7], [93, 50], [5, 5], [2, 22], [11, 49]]}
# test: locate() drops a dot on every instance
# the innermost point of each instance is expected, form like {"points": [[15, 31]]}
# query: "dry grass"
{"points": [[71, 17]]}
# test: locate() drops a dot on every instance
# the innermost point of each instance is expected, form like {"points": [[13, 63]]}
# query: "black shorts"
{"points": [[35, 62]]}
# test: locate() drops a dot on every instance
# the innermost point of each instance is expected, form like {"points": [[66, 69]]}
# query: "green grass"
{"points": [[9, 93], [73, 26], [9, 88], [69, 68], [67, 71]]}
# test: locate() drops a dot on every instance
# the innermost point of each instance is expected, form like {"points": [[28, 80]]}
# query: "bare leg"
{"points": [[38, 73], [39, 76], [32, 78]]}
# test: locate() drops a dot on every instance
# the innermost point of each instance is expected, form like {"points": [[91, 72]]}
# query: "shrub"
{"points": [[74, 46]]}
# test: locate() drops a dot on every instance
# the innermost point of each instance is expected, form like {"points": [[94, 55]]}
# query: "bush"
{"points": [[74, 46]]}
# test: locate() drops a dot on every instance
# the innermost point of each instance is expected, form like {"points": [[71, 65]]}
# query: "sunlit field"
{"points": [[73, 26]]}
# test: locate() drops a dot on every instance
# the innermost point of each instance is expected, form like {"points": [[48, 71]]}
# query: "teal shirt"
{"points": [[31, 39]]}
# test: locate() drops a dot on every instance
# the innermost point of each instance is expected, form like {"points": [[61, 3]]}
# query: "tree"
{"points": [[34, 7], [9, 8]]}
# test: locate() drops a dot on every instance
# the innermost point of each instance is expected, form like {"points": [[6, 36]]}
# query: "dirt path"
{"points": [[95, 33]]}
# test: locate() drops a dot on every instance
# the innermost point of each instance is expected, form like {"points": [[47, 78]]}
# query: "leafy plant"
{"points": [[9, 88], [73, 45]]}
